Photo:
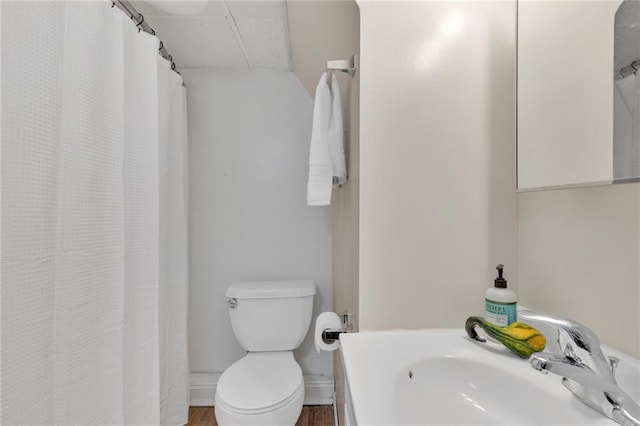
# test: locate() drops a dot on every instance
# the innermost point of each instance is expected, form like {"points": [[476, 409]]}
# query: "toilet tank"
{"points": [[270, 315]]}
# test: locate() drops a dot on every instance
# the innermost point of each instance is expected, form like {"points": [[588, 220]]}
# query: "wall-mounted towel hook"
{"points": [[348, 66]]}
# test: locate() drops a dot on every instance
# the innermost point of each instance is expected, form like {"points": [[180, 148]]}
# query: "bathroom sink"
{"points": [[440, 377]]}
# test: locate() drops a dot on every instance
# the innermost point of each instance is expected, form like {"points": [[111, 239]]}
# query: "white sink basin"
{"points": [[441, 377]]}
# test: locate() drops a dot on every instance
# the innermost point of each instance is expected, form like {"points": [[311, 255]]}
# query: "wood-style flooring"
{"points": [[312, 415]]}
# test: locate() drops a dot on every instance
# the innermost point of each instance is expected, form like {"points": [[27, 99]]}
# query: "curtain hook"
{"points": [[141, 17]]}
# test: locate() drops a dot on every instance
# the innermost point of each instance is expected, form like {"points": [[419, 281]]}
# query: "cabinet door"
{"points": [[565, 93]]}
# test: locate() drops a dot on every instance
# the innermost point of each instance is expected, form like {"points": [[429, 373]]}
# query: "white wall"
{"points": [[438, 207], [248, 160], [579, 255]]}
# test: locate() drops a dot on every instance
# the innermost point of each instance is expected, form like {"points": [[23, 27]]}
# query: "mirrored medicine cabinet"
{"points": [[578, 93]]}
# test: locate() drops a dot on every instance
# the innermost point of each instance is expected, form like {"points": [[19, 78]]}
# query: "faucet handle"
{"points": [[575, 340], [579, 336]]}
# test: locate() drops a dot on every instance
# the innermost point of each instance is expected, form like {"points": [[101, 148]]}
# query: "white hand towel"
{"points": [[320, 165], [327, 164], [336, 135]]}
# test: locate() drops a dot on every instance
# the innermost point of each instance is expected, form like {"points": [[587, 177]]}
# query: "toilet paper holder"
{"points": [[330, 335]]}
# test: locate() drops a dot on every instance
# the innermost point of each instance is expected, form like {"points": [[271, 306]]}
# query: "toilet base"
{"points": [[287, 415]]}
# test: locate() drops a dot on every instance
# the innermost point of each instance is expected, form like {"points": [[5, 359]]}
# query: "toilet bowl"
{"points": [[266, 387], [262, 388]]}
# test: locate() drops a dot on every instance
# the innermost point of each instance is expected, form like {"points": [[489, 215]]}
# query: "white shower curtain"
{"points": [[93, 296], [174, 366]]}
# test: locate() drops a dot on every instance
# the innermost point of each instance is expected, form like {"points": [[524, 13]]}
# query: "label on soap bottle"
{"points": [[500, 314]]}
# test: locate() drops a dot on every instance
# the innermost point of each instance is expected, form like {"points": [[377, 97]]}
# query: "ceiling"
{"points": [[224, 34]]}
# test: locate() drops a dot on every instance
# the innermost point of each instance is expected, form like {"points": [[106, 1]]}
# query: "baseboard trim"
{"points": [[203, 389], [318, 389]]}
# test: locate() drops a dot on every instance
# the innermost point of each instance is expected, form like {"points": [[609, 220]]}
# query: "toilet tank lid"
{"points": [[271, 289]]}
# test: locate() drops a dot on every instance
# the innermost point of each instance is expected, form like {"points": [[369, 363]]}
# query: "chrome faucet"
{"points": [[576, 355]]}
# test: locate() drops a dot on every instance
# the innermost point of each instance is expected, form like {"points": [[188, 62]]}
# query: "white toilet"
{"points": [[270, 319]]}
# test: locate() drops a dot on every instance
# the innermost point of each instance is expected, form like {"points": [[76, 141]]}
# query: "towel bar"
{"points": [[348, 66]]}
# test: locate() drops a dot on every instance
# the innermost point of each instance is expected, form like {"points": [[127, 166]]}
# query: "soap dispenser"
{"points": [[500, 302]]}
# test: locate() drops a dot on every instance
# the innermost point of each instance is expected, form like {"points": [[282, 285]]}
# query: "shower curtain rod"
{"points": [[629, 69], [138, 19]]}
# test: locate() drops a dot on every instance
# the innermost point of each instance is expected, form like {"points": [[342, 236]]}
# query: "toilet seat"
{"points": [[260, 382]]}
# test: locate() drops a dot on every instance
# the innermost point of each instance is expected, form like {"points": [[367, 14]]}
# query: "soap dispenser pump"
{"points": [[500, 302]]}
